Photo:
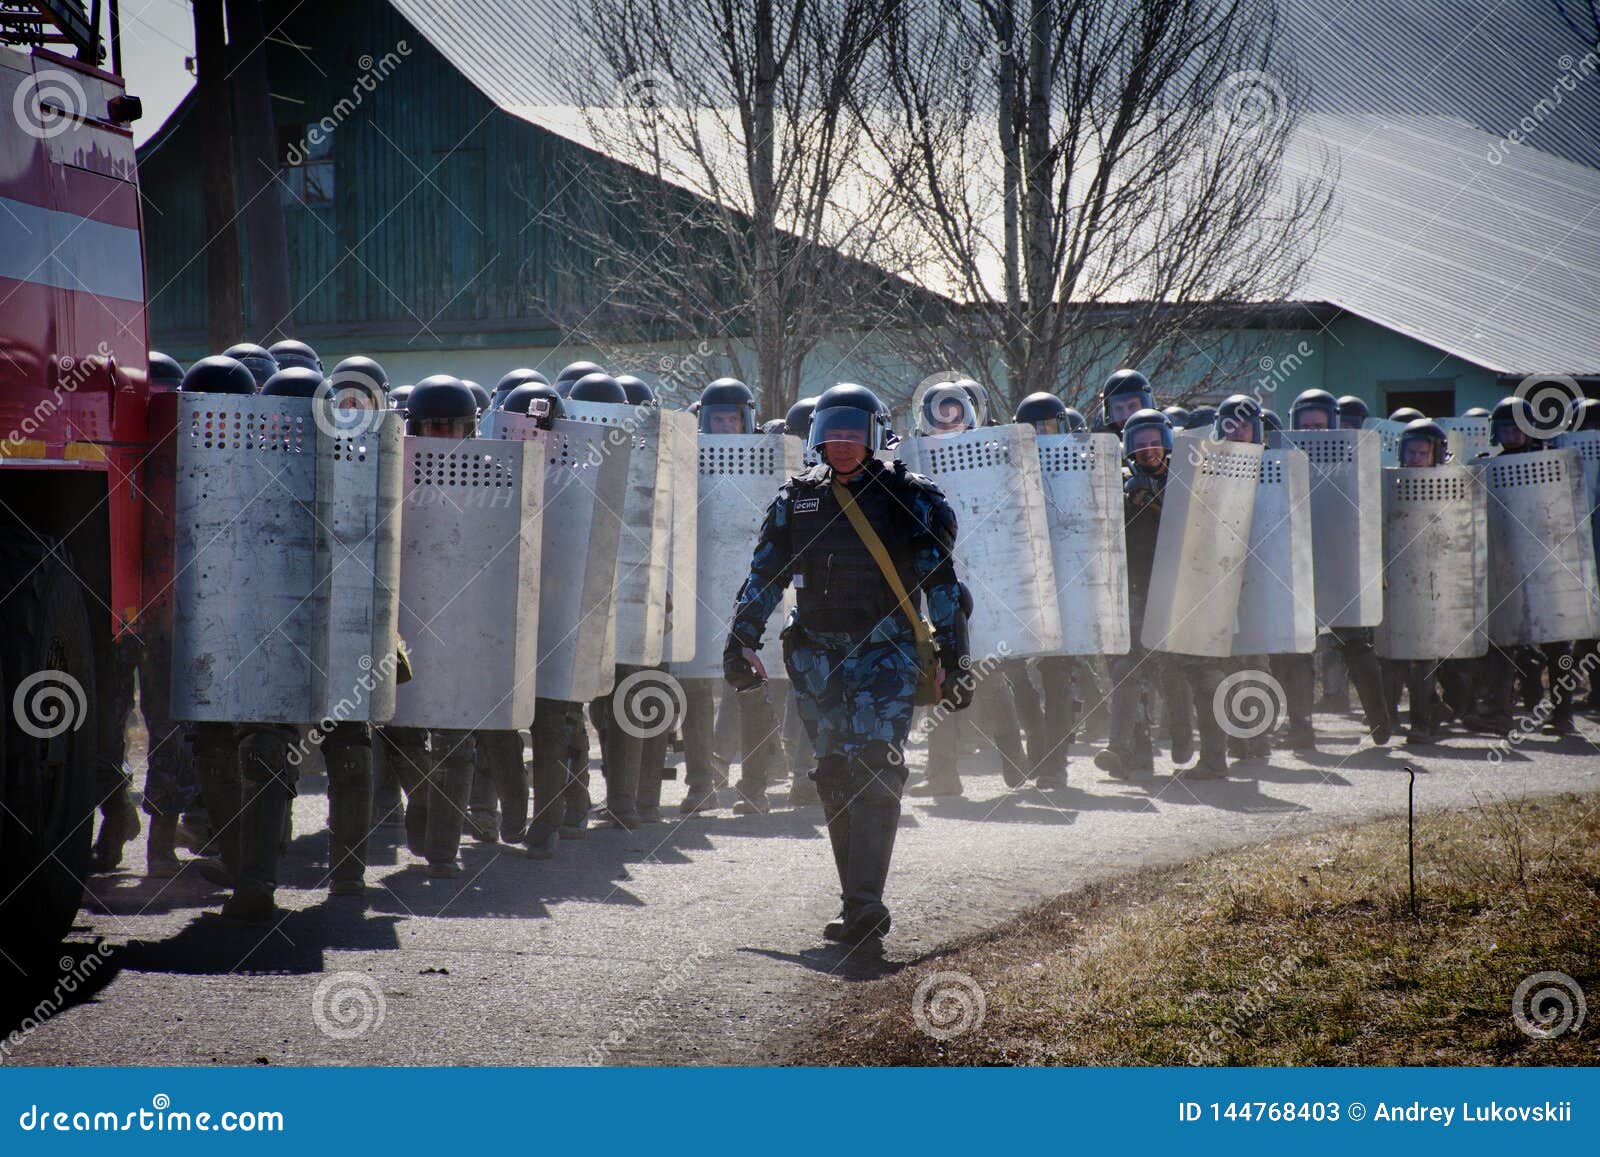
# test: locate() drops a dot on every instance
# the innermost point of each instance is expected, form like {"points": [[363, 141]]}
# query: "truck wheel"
{"points": [[47, 748]]}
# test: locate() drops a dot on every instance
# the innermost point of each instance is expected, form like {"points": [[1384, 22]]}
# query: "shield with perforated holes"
{"points": [[1277, 599], [681, 488], [1435, 564], [1347, 523], [1587, 445], [285, 563], [1468, 438], [1082, 476], [469, 582], [1201, 546], [1542, 586], [739, 476], [992, 479]]}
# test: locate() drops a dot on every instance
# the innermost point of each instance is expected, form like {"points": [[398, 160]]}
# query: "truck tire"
{"points": [[47, 747]]}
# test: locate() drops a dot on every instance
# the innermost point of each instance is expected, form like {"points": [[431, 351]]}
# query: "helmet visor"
{"points": [[726, 418], [843, 424], [1050, 426]]}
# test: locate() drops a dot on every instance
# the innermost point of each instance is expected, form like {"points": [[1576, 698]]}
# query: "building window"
{"points": [[1435, 397], [306, 154]]}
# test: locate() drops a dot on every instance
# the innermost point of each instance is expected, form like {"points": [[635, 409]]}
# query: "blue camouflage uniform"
{"points": [[849, 650]]}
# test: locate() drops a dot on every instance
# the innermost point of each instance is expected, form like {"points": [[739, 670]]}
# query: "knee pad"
{"points": [[264, 758]]}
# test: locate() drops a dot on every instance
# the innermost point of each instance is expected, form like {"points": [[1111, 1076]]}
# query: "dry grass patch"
{"points": [[1300, 952]]}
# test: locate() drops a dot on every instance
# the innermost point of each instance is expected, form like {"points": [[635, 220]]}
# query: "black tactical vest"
{"points": [[838, 586]]}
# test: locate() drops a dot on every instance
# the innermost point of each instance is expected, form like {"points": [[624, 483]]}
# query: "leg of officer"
{"points": [[698, 756], [216, 763], [405, 753], [1355, 643], [347, 752], [267, 781], [549, 735], [760, 738], [169, 786], [450, 765], [1056, 722]]}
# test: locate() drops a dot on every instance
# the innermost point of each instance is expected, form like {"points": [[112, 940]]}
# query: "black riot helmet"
{"points": [[441, 407], [1270, 422], [1476, 412], [980, 400], [1510, 422], [848, 413], [1315, 410], [398, 397], [1201, 417], [290, 354], [1076, 422], [1045, 412], [571, 372], [539, 400], [1353, 412], [772, 426], [258, 360], [1586, 414], [481, 395], [598, 388], [164, 371], [727, 407], [798, 420], [1424, 430], [1406, 414], [218, 375], [1126, 391], [944, 408], [1238, 420], [360, 380], [509, 381], [1177, 415], [294, 382], [1145, 430], [637, 390]]}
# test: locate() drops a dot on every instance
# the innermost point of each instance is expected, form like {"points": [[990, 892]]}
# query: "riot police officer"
{"points": [[797, 421], [1124, 394], [1353, 412], [510, 380], [571, 372], [1147, 449], [435, 765], [290, 354], [851, 646], [1423, 444], [1177, 415]]}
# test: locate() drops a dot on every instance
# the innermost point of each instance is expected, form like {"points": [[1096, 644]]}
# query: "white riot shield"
{"points": [[1542, 586], [680, 462], [1083, 510], [739, 476], [359, 480], [247, 607], [1435, 564], [1347, 524], [991, 478], [1587, 444], [584, 491], [643, 547], [1193, 600], [1468, 438], [469, 582], [1277, 600], [1388, 439]]}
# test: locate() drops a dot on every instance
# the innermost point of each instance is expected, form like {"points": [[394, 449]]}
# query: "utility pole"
{"points": [[224, 268], [271, 307]]}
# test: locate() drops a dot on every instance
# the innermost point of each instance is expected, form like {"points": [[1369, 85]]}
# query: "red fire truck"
{"points": [[74, 431]]}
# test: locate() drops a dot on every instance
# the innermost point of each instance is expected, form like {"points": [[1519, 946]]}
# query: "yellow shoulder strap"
{"points": [[880, 555]]}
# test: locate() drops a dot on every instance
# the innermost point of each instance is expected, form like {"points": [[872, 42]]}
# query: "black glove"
{"points": [[959, 680], [736, 669]]}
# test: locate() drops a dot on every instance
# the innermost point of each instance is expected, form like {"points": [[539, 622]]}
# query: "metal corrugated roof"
{"points": [[1446, 232]]}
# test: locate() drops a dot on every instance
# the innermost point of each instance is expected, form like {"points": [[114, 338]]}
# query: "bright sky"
{"points": [[156, 36]]}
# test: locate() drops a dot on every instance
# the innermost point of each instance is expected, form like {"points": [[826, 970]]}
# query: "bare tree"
{"points": [[1097, 178], [717, 205]]}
